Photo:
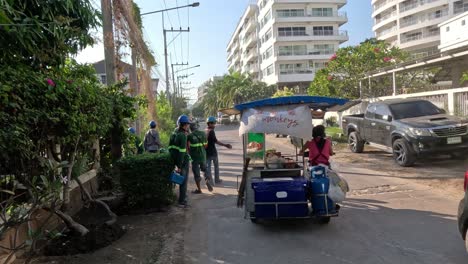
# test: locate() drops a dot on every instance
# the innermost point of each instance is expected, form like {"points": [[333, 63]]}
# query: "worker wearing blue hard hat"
{"points": [[211, 151], [152, 142], [178, 151]]}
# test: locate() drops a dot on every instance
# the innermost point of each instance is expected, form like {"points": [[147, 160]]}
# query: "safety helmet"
{"points": [[152, 124], [211, 119], [183, 119], [131, 130], [194, 125]]}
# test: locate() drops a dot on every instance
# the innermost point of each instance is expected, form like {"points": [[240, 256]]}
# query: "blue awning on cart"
{"points": [[314, 102]]}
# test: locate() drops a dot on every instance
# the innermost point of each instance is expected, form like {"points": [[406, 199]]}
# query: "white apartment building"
{"points": [[412, 25], [284, 42]]}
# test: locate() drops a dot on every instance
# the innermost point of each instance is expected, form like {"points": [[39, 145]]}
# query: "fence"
{"points": [[454, 101]]}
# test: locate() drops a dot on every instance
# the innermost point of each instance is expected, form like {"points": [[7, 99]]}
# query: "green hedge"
{"points": [[145, 180]]}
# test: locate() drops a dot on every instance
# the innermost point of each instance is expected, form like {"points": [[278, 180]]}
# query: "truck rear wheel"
{"points": [[402, 153], [356, 144]]}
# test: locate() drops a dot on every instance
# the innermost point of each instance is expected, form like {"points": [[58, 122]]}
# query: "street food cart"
{"points": [[278, 185]]}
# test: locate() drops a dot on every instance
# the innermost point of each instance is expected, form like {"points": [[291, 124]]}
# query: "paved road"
{"points": [[384, 220]]}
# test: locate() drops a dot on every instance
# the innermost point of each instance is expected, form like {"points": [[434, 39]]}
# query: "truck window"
{"points": [[381, 111], [370, 113], [414, 109]]}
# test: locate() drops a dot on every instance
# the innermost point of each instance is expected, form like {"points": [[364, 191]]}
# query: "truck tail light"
{"points": [[465, 183]]}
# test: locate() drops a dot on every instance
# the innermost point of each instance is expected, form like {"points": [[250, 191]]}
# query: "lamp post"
{"points": [[188, 68], [195, 4]]}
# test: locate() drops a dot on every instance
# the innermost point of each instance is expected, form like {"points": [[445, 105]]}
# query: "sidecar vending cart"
{"points": [[276, 185]]}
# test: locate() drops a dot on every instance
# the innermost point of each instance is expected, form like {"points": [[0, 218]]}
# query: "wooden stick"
{"points": [[240, 195]]}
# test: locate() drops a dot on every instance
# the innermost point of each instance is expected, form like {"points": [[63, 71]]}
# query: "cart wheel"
{"points": [[324, 220]]}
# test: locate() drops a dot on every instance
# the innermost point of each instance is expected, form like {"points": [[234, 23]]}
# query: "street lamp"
{"points": [[172, 8], [195, 4], [188, 68]]}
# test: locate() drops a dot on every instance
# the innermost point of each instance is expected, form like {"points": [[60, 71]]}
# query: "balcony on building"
{"points": [[340, 3], [250, 55], [299, 71], [302, 52], [384, 18], [382, 5], [416, 6], [413, 22], [316, 33], [387, 33], [314, 15], [421, 37]]}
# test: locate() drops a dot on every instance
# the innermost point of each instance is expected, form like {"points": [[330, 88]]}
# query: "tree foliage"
{"points": [[284, 92], [166, 123], [233, 88], [45, 32], [350, 64]]}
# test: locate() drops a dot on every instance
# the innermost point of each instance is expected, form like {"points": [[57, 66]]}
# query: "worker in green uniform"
{"points": [[178, 151], [198, 143]]}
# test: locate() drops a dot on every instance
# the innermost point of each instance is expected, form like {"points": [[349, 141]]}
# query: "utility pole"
{"points": [[109, 53], [173, 79], [109, 48], [165, 53]]}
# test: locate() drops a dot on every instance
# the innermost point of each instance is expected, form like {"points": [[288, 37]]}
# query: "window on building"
{"points": [[296, 50], [317, 65], [285, 51], [291, 31], [290, 12], [323, 49], [270, 70], [322, 12], [460, 6], [297, 68], [323, 31], [267, 54], [267, 36], [265, 18], [103, 79], [463, 22], [447, 29]]}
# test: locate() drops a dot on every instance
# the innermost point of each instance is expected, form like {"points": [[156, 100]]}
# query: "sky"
{"points": [[211, 26]]}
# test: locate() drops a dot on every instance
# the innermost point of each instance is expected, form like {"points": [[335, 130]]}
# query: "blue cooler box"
{"points": [[280, 197]]}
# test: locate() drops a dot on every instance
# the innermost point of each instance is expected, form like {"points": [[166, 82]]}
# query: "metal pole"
{"points": [[394, 84], [173, 80], [360, 89], [370, 89], [167, 66]]}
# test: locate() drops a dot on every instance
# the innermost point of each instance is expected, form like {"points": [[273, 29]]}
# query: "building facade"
{"points": [[412, 25], [284, 42]]}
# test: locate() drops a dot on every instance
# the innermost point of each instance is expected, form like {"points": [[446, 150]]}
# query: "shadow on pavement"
{"points": [[403, 236]]}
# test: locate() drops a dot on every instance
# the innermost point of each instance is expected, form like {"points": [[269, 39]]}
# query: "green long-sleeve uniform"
{"points": [[178, 148], [198, 141]]}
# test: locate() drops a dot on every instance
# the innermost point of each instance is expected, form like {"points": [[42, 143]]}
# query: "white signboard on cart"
{"points": [[293, 120]]}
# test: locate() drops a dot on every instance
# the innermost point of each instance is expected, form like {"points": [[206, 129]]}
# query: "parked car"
{"points": [[408, 128], [463, 214]]}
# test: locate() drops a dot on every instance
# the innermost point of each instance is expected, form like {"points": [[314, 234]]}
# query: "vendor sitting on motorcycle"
{"points": [[320, 147]]}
